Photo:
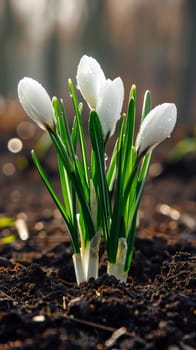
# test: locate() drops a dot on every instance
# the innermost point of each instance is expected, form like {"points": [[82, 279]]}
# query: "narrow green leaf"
{"points": [[146, 104], [130, 125], [128, 154], [129, 201], [66, 188], [144, 167], [60, 122], [74, 132], [116, 225], [132, 93], [66, 137], [146, 161], [80, 131], [97, 142], [138, 189], [78, 181], [138, 185], [130, 243], [69, 192], [81, 178], [95, 179], [130, 183], [67, 149], [73, 233], [111, 172], [131, 232], [63, 131], [72, 166]]}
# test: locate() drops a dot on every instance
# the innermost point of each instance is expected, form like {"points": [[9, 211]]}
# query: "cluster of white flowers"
{"points": [[106, 97]]}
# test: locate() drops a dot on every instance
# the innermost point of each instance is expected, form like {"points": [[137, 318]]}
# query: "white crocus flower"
{"points": [[110, 104], [90, 80], [36, 103], [104, 95], [156, 127]]}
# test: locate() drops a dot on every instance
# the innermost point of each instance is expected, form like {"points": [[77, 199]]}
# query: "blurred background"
{"points": [[151, 43]]}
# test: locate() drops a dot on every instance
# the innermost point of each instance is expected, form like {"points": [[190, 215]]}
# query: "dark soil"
{"points": [[41, 307]]}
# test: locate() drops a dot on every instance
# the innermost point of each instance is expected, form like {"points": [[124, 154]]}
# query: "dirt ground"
{"points": [[41, 307]]}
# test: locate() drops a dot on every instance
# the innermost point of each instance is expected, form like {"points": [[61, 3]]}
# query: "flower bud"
{"points": [[110, 104], [105, 96], [36, 103], [90, 80], [156, 127]]}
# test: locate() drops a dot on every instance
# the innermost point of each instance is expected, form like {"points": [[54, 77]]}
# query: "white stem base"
{"points": [[93, 264], [90, 258], [78, 268], [117, 270], [86, 263]]}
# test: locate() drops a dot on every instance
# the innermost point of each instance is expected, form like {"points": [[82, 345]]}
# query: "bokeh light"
{"points": [[15, 145]]}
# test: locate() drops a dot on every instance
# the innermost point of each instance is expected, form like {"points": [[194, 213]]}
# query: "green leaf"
{"points": [[60, 121], [138, 189], [130, 125], [130, 182], [128, 152], [63, 131], [80, 131], [62, 126], [82, 180], [129, 200], [111, 172], [74, 132], [71, 228], [131, 231], [116, 224], [132, 93], [94, 179], [130, 243], [146, 104], [97, 141], [146, 160], [64, 147], [75, 173]]}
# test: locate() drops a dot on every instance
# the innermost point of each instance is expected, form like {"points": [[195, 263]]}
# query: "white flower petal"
{"points": [[90, 80], [110, 104], [36, 102], [156, 127]]}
